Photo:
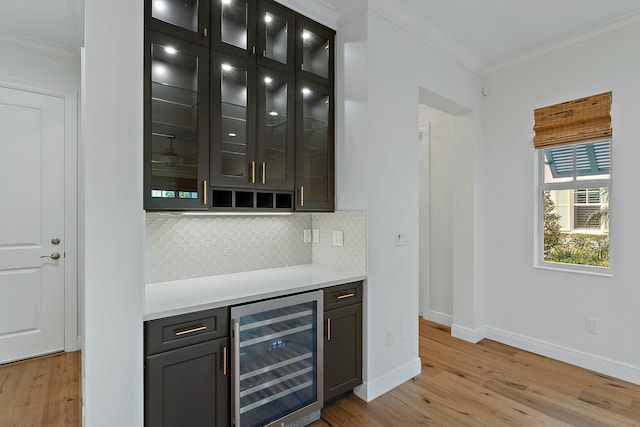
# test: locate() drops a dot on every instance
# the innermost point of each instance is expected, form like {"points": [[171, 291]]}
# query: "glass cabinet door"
{"points": [[176, 98], [315, 147], [233, 134], [234, 21], [276, 37], [275, 130], [187, 19], [315, 51]]}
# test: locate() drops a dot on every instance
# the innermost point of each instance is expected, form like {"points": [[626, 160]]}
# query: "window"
{"points": [[574, 156]]}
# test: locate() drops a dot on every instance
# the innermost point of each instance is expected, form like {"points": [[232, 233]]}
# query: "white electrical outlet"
{"points": [[592, 325], [307, 236], [401, 238], [338, 238], [316, 235]]}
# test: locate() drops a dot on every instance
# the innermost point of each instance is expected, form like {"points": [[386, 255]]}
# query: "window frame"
{"points": [[574, 184]]}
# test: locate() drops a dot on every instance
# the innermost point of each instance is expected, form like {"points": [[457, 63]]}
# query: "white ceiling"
{"points": [[491, 30]]}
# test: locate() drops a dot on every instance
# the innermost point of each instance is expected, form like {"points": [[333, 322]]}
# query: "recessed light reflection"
{"points": [[159, 6], [305, 35], [268, 80], [273, 113], [227, 67], [306, 90], [226, 1], [232, 134], [268, 18], [170, 50]]}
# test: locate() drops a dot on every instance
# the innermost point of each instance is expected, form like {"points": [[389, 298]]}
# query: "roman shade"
{"points": [[581, 120]]}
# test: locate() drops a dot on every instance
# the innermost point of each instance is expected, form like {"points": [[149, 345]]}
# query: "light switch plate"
{"points": [[307, 236], [401, 238], [316, 235], [338, 238]]}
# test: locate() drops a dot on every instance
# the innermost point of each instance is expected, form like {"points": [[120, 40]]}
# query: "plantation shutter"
{"points": [[580, 120]]}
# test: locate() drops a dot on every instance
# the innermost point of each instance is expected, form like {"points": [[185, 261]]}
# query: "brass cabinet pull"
{"points": [[253, 172], [205, 32], [328, 329], [302, 196], [253, 50], [264, 172], [346, 296], [204, 192], [190, 331], [264, 53], [302, 67], [224, 360]]}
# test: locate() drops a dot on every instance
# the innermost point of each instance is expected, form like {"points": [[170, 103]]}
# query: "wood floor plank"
{"points": [[41, 392], [491, 384]]}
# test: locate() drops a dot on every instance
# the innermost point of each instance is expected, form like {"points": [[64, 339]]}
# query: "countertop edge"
{"points": [[305, 284]]}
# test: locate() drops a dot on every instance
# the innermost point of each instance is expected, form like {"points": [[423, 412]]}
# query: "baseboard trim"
{"points": [[369, 390], [441, 318], [468, 334], [602, 365]]}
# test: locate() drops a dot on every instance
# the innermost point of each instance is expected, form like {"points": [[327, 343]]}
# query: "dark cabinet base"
{"points": [[188, 386]]}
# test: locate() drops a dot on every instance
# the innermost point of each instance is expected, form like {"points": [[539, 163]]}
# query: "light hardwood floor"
{"points": [[462, 384], [42, 392], [491, 384]]}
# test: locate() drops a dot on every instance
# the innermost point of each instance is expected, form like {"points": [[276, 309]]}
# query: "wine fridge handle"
{"points": [[235, 355]]}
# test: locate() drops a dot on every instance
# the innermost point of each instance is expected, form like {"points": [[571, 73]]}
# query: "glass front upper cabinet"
{"points": [[233, 161], [176, 123], [263, 30], [187, 19], [315, 147], [275, 130], [315, 51]]}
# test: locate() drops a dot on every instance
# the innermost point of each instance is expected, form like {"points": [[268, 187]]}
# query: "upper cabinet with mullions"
{"points": [[262, 29]]}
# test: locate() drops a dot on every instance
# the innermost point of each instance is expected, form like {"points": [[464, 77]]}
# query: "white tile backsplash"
{"points": [[183, 247]]}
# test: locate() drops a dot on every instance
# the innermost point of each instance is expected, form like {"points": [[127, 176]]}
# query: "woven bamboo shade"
{"points": [[580, 120]]}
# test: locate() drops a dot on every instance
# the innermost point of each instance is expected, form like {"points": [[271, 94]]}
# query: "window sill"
{"points": [[575, 268]]}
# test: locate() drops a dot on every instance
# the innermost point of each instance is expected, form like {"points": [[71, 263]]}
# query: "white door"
{"points": [[31, 224]]}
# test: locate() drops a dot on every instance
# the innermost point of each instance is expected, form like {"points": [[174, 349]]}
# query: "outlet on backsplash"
{"points": [[182, 247]]}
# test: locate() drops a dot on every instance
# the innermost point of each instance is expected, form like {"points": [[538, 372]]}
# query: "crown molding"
{"points": [[18, 41], [591, 35], [408, 20]]}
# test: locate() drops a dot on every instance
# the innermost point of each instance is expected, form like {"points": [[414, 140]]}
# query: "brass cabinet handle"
{"points": [[301, 67], [346, 296], [253, 50], [253, 172], [204, 201], [302, 196], [328, 329], [205, 32], [224, 360], [264, 53], [264, 172], [190, 331]]}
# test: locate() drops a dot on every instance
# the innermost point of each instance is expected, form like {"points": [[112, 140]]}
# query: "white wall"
{"points": [[377, 170], [541, 309], [113, 216]]}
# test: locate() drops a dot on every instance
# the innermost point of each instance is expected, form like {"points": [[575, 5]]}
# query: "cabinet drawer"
{"points": [[342, 295], [178, 331]]}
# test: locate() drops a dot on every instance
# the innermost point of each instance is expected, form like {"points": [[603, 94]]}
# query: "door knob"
{"points": [[55, 255], [55, 241]]}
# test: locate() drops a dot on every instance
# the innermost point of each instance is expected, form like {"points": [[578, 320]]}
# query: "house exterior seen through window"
{"points": [[574, 193]]}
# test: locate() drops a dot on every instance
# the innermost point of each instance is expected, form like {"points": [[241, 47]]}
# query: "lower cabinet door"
{"points": [[342, 350], [188, 386]]}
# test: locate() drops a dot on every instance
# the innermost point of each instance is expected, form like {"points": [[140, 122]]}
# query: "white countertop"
{"points": [[165, 299]]}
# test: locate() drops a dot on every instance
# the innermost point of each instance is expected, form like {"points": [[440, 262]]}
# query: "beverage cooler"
{"points": [[277, 361]]}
